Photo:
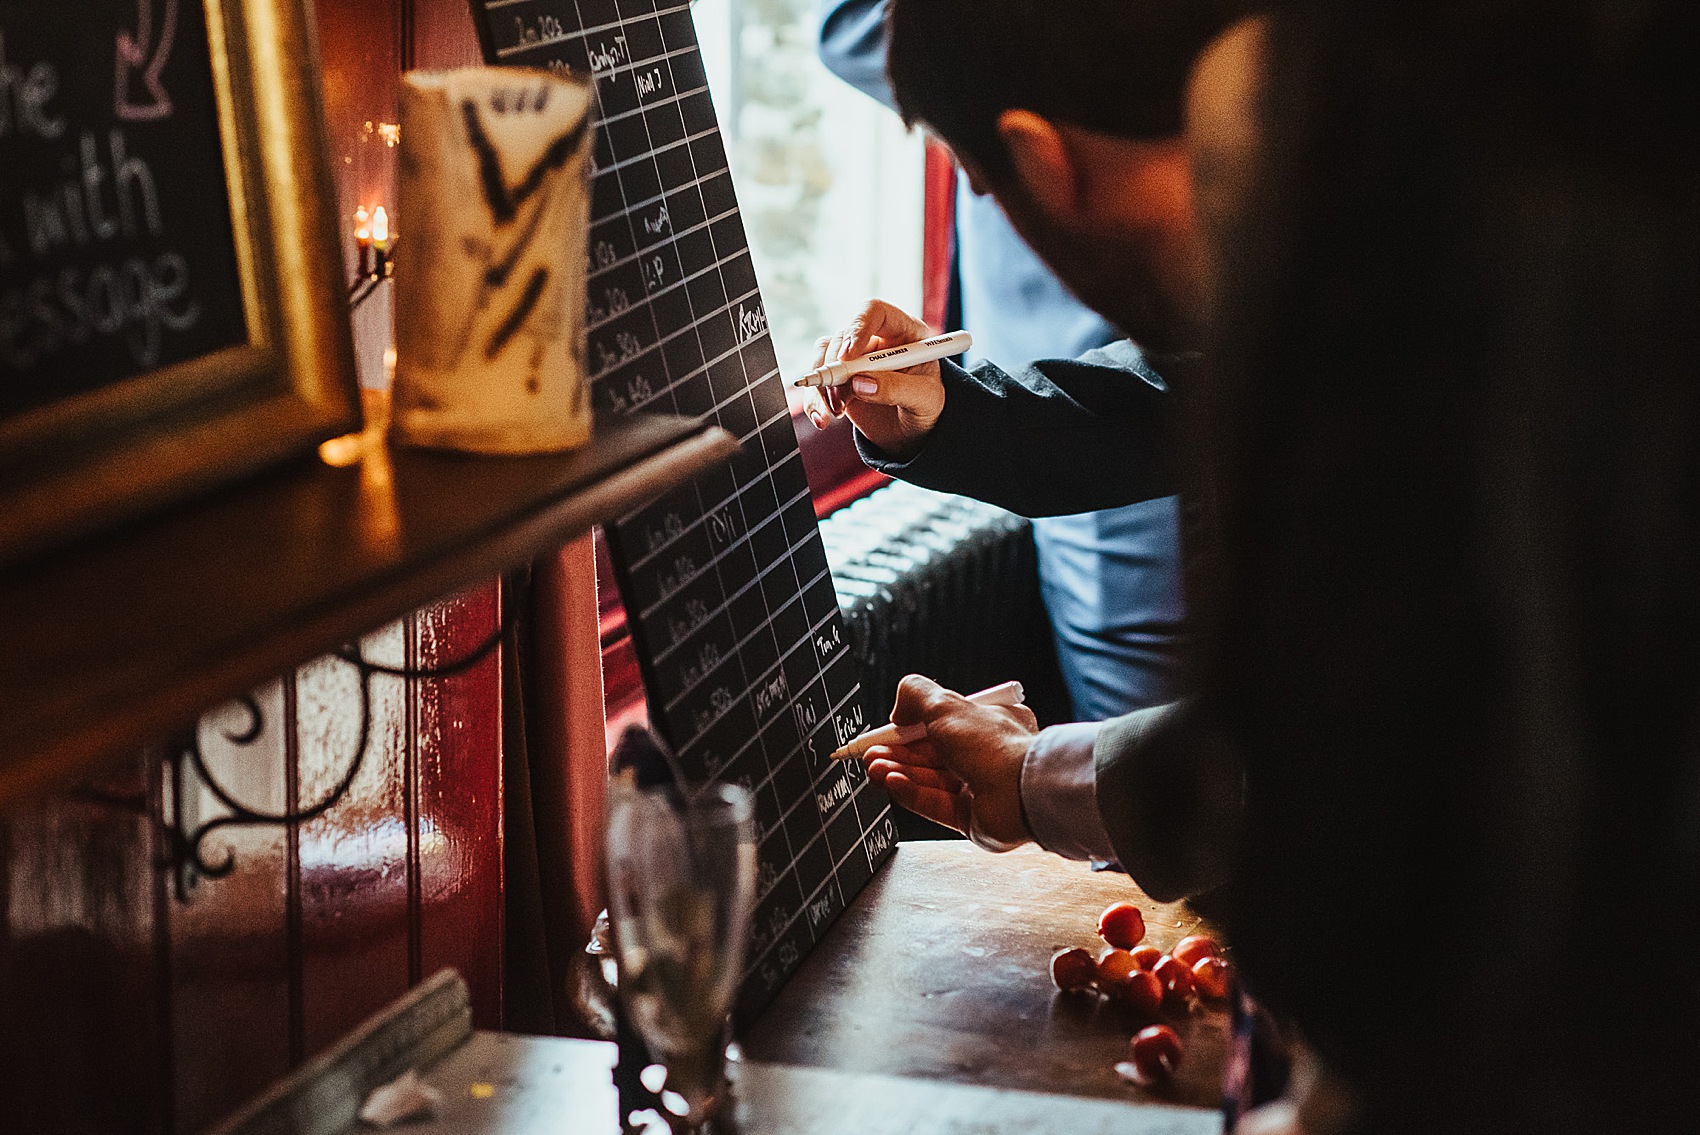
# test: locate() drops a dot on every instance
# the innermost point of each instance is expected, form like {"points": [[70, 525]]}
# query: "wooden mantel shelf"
{"points": [[114, 642]]}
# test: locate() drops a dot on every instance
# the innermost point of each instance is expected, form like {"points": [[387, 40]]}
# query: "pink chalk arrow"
{"points": [[133, 52]]}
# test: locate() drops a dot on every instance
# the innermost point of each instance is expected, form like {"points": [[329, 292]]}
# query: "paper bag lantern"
{"points": [[489, 285]]}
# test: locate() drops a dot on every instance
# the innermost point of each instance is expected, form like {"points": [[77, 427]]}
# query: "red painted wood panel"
{"points": [[457, 784], [83, 1037], [321, 925], [938, 233], [230, 943], [443, 35], [569, 758], [353, 860]]}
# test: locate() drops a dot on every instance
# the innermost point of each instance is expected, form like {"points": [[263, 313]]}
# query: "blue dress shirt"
{"points": [[1111, 580]]}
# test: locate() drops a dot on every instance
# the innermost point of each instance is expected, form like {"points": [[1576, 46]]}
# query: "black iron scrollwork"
{"points": [[185, 839], [363, 287], [376, 264]]}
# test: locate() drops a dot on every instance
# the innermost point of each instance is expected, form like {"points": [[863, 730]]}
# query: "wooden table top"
{"points": [[940, 971], [927, 1009]]}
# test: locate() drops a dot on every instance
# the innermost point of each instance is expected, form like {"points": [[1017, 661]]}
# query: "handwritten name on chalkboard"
{"points": [[117, 255], [733, 616]]}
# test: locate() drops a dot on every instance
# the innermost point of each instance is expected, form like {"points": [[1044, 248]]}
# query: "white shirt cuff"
{"points": [[1059, 792]]}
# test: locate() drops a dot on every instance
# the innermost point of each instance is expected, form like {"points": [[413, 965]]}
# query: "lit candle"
{"points": [[363, 239], [381, 239]]}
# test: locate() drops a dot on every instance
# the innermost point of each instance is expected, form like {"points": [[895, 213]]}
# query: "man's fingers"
{"points": [[880, 321], [818, 408], [921, 754], [932, 803], [920, 774], [855, 339], [915, 397], [919, 698], [919, 398], [919, 389]]}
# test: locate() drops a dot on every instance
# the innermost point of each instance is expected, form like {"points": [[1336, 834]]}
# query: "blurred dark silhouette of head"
{"points": [[1456, 414]]}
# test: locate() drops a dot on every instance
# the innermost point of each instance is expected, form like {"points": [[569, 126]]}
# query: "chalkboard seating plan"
{"points": [[725, 581], [171, 299]]}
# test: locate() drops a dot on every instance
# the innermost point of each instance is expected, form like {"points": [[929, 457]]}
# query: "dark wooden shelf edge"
{"points": [[84, 744]]}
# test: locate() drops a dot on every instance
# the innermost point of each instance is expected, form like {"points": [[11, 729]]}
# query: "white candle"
{"points": [[489, 302]]}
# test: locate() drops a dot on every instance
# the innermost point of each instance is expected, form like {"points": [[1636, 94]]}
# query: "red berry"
{"points": [[1073, 970], [1146, 957], [1114, 966], [1156, 1052], [1176, 978], [1195, 947], [1210, 977], [1122, 925], [1142, 993]]}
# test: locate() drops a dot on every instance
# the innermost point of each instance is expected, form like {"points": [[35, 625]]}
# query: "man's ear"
{"points": [[1044, 165]]}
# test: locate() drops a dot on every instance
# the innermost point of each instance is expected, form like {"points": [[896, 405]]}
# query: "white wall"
{"points": [[829, 181]]}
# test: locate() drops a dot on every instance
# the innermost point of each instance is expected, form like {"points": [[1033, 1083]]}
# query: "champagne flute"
{"points": [[682, 877]]}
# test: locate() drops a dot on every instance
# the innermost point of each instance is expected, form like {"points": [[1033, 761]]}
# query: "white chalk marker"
{"points": [[1004, 693], [889, 358]]}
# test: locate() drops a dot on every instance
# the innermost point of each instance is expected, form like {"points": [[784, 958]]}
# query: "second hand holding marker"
{"points": [[889, 358], [1005, 693]]}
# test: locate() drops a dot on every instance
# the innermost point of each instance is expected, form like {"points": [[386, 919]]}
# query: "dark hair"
{"points": [[1118, 67]]}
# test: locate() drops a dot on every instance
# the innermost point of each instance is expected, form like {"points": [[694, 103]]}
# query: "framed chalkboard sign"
{"points": [[172, 305]]}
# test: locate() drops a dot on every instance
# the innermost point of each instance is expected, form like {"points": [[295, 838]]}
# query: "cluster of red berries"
{"points": [[1147, 981]]}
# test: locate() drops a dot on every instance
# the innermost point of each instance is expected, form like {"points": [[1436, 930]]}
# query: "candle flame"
{"points": [[380, 227]]}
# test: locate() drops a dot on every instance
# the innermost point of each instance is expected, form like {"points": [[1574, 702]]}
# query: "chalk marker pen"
{"points": [[1005, 693], [889, 358]]}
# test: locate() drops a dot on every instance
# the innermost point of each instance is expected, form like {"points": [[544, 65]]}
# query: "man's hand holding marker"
{"points": [[894, 409], [1004, 693], [965, 772]]}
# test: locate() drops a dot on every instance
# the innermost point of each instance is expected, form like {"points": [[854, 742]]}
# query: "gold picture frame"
{"points": [[100, 456]]}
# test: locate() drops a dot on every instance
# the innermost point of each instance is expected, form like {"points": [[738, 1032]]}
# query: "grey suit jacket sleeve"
{"points": [[1057, 437], [1171, 793]]}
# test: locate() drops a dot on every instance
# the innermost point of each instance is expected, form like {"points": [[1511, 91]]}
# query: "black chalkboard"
{"points": [[731, 606], [117, 255]]}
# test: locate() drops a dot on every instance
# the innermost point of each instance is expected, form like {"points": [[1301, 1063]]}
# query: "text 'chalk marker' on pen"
{"points": [[889, 358]]}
